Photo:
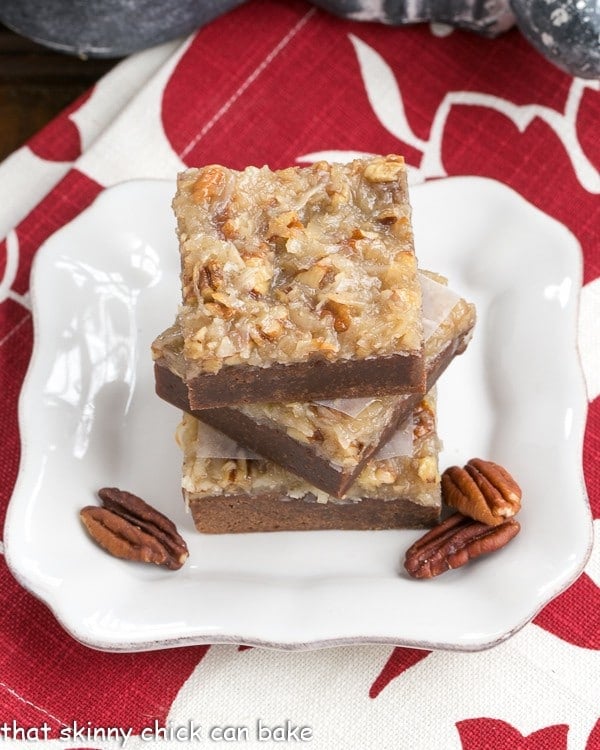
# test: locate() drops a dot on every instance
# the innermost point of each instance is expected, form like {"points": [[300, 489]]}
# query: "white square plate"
{"points": [[106, 284]]}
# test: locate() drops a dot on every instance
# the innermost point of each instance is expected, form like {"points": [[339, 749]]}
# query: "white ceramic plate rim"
{"points": [[301, 626]]}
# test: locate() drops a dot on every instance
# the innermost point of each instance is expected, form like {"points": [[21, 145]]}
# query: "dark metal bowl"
{"points": [[567, 32], [108, 28]]}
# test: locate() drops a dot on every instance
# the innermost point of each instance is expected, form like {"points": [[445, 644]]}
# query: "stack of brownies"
{"points": [[306, 349]]}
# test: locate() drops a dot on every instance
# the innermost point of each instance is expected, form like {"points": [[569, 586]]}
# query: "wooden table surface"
{"points": [[36, 84]]}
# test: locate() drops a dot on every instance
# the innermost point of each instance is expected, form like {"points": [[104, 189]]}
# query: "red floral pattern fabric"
{"points": [[284, 83]]}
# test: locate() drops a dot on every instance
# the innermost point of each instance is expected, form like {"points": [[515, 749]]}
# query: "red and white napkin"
{"points": [[286, 83]]}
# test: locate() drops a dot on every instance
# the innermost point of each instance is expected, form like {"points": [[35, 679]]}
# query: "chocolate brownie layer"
{"points": [[272, 512]]}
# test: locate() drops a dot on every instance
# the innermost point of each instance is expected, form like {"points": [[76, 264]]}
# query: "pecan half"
{"points": [[127, 527], [454, 542], [482, 490]]}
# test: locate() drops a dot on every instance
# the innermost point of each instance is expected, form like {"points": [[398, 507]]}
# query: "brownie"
{"points": [[298, 284], [236, 493], [327, 443]]}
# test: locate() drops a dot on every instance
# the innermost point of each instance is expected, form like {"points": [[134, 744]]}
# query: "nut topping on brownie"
{"points": [[282, 266]]}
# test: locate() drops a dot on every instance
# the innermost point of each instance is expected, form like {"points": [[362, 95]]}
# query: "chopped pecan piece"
{"points": [[454, 542], [482, 490], [209, 184], [210, 279], [423, 420], [385, 170], [127, 527], [219, 310], [388, 216], [341, 315], [313, 276]]}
